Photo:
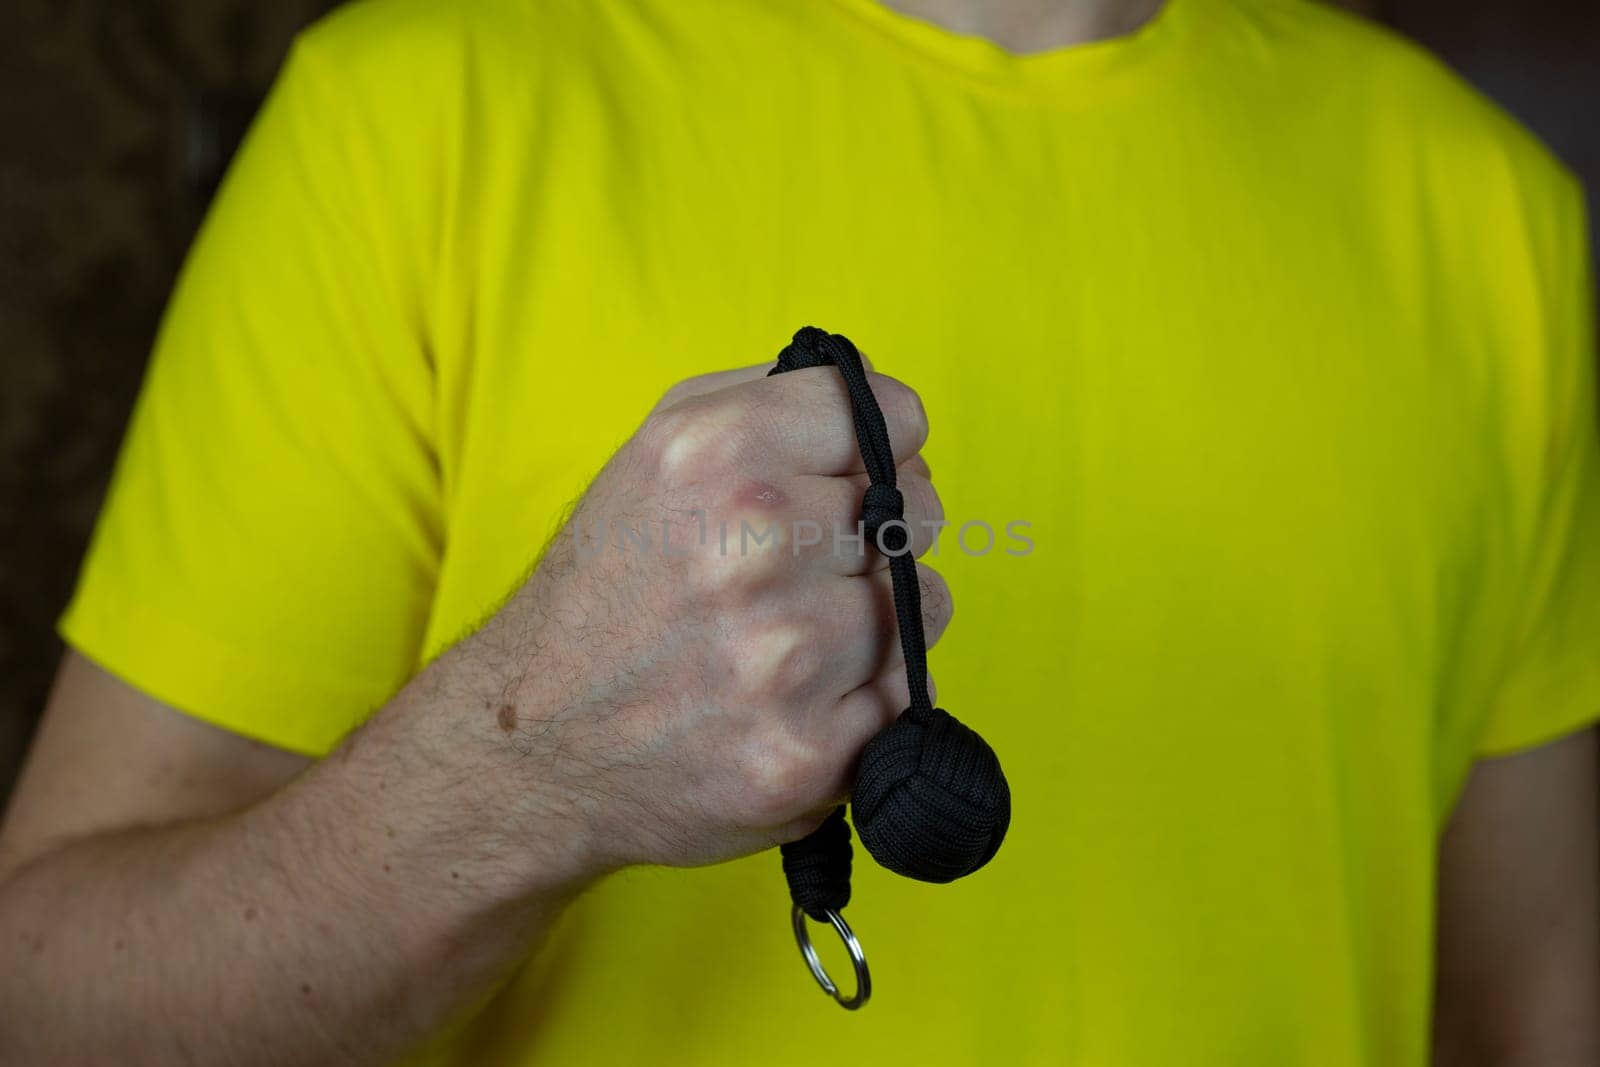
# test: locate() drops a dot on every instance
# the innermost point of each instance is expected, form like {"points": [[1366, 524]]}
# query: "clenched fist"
{"points": [[703, 651]]}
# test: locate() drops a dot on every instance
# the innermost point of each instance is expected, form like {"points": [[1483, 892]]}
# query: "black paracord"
{"points": [[930, 801]]}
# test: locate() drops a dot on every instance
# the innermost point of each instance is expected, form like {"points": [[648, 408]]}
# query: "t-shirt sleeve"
{"points": [[266, 556], [1550, 685]]}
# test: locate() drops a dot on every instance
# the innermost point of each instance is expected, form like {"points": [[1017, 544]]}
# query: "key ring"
{"points": [[858, 958]]}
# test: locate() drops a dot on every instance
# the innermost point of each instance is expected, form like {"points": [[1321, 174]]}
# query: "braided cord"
{"points": [[930, 799]]}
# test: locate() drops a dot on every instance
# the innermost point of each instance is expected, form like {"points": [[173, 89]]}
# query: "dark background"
{"points": [[117, 118]]}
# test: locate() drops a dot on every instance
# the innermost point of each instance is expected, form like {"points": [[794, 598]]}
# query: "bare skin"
{"points": [[1026, 26], [1519, 914], [173, 893], [170, 893]]}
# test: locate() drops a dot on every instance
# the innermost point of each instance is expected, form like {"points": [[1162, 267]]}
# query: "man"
{"points": [[1268, 336]]}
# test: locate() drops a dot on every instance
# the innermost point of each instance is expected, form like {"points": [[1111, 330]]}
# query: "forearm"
{"points": [[1537, 1018], [1519, 913], [620, 708], [1463, 1045], [341, 920]]}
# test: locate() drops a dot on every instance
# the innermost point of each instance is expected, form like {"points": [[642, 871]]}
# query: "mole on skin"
{"points": [[507, 717]]}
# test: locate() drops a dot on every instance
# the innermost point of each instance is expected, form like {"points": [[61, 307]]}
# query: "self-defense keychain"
{"points": [[929, 801]]}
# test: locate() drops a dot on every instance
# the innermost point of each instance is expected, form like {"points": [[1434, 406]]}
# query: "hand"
{"points": [[680, 703]]}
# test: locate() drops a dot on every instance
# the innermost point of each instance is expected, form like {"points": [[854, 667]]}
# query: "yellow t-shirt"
{"points": [[1277, 335]]}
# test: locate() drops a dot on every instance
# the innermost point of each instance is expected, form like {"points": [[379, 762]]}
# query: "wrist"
{"points": [[447, 781]]}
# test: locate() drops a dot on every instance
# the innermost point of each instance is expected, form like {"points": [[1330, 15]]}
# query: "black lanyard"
{"points": [[930, 800]]}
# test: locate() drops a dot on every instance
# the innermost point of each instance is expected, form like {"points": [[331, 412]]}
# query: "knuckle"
{"points": [[756, 539], [756, 518], [775, 662], [761, 499], [690, 442], [741, 554], [723, 579], [782, 776], [660, 431]]}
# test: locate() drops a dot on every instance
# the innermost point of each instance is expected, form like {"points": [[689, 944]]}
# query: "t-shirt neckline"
{"points": [[1162, 38]]}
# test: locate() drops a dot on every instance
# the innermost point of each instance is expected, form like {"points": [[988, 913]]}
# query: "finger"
{"points": [[716, 381], [846, 728], [870, 645], [701, 384], [802, 422], [824, 527]]}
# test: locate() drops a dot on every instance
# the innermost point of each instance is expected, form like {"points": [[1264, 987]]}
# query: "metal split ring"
{"points": [[858, 958]]}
